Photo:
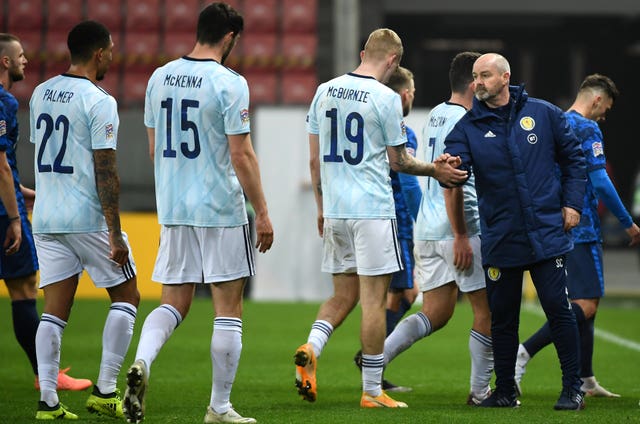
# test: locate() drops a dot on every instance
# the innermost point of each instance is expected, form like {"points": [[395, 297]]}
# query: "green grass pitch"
{"points": [[437, 368]]}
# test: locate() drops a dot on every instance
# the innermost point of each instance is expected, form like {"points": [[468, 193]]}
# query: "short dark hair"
{"points": [[399, 79], [5, 39], [602, 83], [215, 21], [85, 38], [461, 71]]}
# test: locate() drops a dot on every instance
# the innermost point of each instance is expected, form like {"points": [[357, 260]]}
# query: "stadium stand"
{"points": [[276, 53]]}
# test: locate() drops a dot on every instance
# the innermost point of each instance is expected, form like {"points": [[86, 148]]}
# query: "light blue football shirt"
{"points": [[70, 117], [433, 222], [193, 105], [356, 118]]}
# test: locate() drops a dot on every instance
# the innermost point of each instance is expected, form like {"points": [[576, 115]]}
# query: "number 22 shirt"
{"points": [[356, 118], [70, 117], [193, 104]]}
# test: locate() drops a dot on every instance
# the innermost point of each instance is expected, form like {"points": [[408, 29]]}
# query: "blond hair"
{"points": [[381, 43]]}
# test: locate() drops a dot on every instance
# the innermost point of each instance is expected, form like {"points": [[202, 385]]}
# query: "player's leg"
{"points": [[227, 297], [331, 314], [586, 287], [226, 347], [94, 249], [59, 272], [439, 293], [377, 257], [58, 298], [504, 293], [550, 280], [480, 347], [402, 292]]}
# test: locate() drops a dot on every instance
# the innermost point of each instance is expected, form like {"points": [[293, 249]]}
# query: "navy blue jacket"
{"points": [[528, 165]]}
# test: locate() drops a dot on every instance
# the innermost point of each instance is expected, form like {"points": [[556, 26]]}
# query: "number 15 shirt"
{"points": [[193, 105], [356, 118], [70, 117]]}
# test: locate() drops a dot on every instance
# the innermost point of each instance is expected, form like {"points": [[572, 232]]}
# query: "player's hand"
{"points": [[462, 253], [13, 238], [571, 218], [634, 233], [119, 250], [320, 223], [264, 232], [446, 170]]}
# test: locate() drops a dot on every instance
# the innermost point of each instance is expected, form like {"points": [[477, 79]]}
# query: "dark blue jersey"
{"points": [[406, 193], [598, 186], [8, 114]]}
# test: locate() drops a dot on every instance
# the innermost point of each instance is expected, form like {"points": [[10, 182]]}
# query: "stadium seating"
{"points": [[134, 86], [142, 15], [141, 50], [261, 16], [109, 13], [62, 15], [299, 16], [298, 87], [25, 14], [276, 52], [259, 51], [181, 15], [299, 51], [263, 87], [177, 44]]}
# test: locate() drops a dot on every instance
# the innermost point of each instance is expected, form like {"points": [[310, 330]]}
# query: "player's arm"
{"points": [[316, 182], [8, 196], [607, 193], [29, 196], [108, 187], [462, 252], [245, 163], [443, 168], [151, 135]]}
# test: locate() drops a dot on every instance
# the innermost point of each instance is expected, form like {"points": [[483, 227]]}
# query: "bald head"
{"points": [[491, 75]]}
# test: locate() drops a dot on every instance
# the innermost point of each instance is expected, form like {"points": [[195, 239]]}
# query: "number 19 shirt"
{"points": [[356, 118], [193, 105], [70, 117]]}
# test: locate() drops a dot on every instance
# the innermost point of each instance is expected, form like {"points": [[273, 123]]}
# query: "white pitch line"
{"points": [[603, 334]]}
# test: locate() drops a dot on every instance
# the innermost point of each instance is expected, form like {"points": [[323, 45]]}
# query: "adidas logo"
{"points": [[489, 134]]}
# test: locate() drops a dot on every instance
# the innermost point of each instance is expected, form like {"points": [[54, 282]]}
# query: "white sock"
{"points": [[156, 330], [226, 346], [407, 332], [481, 351], [372, 367], [319, 335], [116, 337], [48, 341]]}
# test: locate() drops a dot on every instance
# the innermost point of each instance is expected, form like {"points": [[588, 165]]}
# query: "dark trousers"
{"points": [[504, 291]]}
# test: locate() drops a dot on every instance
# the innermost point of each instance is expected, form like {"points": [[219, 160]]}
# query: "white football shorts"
{"points": [[362, 246], [203, 254], [434, 266], [64, 255]]}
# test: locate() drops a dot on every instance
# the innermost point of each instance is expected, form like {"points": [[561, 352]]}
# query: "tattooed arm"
{"points": [[443, 168], [108, 187]]}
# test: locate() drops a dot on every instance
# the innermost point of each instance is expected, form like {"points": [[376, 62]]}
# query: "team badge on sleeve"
{"points": [[244, 116], [527, 123], [109, 131], [597, 149], [3, 127], [403, 127]]}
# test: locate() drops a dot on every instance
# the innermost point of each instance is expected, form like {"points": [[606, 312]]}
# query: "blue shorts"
{"points": [[585, 278], [403, 279], [24, 262]]}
